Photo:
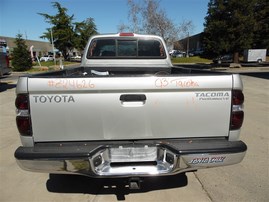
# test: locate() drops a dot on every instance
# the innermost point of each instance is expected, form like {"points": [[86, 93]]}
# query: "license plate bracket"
{"points": [[133, 154]]}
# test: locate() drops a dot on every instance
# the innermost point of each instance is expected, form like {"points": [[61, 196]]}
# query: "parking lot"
{"points": [[247, 181]]}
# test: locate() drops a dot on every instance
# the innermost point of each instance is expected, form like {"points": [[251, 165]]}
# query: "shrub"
{"points": [[21, 56]]}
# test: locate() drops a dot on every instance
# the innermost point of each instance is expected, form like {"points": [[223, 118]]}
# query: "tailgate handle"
{"points": [[133, 98]]}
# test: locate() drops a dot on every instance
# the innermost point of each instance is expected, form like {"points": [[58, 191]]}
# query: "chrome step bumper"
{"points": [[139, 158]]}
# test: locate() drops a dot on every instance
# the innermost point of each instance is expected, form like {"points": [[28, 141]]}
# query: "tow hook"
{"points": [[134, 183]]}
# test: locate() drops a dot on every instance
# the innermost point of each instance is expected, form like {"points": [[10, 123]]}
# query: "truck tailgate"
{"points": [[138, 107]]}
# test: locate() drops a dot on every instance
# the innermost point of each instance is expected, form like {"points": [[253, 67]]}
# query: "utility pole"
{"points": [[188, 44], [52, 44]]}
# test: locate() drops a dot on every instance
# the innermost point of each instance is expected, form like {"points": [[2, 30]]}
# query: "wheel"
{"points": [[259, 61]]}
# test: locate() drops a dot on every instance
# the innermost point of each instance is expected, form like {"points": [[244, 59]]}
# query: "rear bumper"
{"points": [[123, 158]]}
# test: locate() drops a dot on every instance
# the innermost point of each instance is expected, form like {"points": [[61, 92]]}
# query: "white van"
{"points": [[255, 55]]}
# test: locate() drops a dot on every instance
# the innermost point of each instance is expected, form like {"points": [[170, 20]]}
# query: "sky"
{"points": [[20, 16]]}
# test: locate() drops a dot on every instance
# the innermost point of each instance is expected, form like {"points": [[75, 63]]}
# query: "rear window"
{"points": [[126, 48]]}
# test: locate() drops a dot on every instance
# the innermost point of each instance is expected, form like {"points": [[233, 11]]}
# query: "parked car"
{"points": [[190, 54], [46, 58], [76, 58], [178, 54], [228, 58], [197, 52], [171, 52]]}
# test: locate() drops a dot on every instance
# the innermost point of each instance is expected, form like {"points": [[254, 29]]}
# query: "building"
{"points": [[191, 43], [39, 48]]}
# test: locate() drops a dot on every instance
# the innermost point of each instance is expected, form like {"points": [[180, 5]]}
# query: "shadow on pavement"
{"points": [[118, 186], [258, 73], [6, 86], [261, 75]]}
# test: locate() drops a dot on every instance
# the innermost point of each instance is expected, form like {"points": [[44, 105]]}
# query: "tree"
{"points": [[261, 34], [83, 31], [62, 29], [155, 21], [146, 16], [229, 27], [67, 34], [21, 56]]}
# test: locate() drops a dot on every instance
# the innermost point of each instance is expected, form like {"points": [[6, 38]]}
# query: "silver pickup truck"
{"points": [[128, 112]]}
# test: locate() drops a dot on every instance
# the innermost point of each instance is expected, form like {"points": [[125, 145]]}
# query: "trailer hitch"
{"points": [[135, 183]]}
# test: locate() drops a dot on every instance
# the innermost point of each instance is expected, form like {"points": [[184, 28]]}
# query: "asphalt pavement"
{"points": [[246, 181]]}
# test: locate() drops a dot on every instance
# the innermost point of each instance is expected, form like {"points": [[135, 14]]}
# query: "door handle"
{"points": [[133, 98]]}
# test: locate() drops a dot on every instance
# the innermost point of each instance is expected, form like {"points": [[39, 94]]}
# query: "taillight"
{"points": [[22, 102], [23, 119], [126, 34], [238, 97], [24, 125], [237, 115]]}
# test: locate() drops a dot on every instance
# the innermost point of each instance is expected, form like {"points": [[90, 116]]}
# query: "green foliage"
{"points": [[83, 31], [52, 63], [229, 26], [261, 13], [21, 60], [67, 34], [194, 59], [62, 29]]}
